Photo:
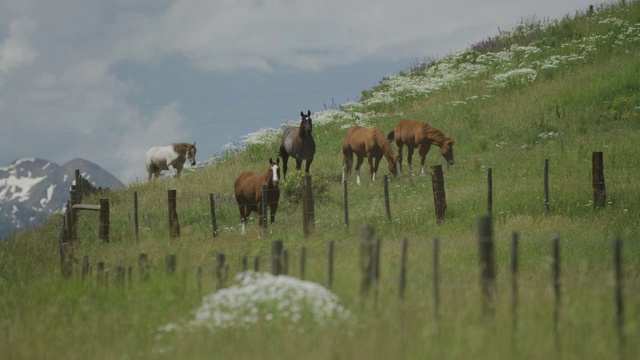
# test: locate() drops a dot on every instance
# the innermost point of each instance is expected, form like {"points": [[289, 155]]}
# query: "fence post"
{"points": [[85, 267], [387, 205], [617, 260], [436, 282], [212, 209], [403, 269], [346, 204], [135, 214], [489, 192], [599, 192], [308, 216], [100, 273], [256, 264], [546, 185], [171, 264], [439, 198], [303, 260], [366, 260], [143, 266], [276, 257], [514, 280], [174, 225], [555, 265], [265, 202], [487, 264], [104, 220]]}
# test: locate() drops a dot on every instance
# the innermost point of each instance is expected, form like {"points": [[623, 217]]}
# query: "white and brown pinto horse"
{"points": [[167, 157]]}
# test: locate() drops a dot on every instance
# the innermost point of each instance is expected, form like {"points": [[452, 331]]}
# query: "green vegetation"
{"points": [[557, 91]]}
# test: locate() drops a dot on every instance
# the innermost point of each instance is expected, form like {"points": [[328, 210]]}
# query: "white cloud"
{"points": [[15, 50]]}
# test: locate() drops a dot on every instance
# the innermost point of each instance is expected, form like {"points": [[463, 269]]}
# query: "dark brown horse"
{"points": [[298, 142], [369, 142], [419, 134], [248, 190]]}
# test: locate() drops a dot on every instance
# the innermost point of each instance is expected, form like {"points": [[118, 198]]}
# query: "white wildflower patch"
{"points": [[264, 298], [515, 77], [263, 136], [501, 144], [550, 134]]}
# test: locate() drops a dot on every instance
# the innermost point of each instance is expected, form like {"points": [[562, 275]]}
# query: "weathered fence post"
{"points": [[376, 268], [104, 220], [514, 280], [599, 192], [66, 259], [617, 260], [330, 269], [555, 265], [308, 215], [265, 207], [143, 266], [436, 283], [85, 267], [220, 259], [387, 204], [439, 198], [256, 264], [100, 277], [489, 192], [174, 224], [403, 269], [487, 264], [366, 260], [135, 214], [276, 257], [212, 209], [346, 204], [303, 260], [285, 262], [546, 185]]}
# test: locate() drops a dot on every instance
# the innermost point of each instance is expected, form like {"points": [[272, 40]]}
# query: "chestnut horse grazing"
{"points": [[298, 143], [167, 157], [248, 190], [369, 142], [419, 134]]}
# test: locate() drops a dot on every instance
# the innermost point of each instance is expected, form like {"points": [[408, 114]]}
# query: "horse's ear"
{"points": [[194, 144], [278, 160], [301, 114], [308, 112], [270, 160]]}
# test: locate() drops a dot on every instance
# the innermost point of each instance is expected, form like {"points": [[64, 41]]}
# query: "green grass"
{"points": [[589, 105]]}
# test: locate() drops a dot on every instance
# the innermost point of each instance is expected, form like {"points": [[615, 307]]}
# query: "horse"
{"points": [[248, 192], [172, 156], [418, 134], [369, 142], [298, 142]]}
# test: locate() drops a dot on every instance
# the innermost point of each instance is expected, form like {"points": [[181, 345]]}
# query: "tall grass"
{"points": [[583, 98]]}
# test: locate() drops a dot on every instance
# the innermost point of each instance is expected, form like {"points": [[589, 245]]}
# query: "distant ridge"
{"points": [[31, 189]]}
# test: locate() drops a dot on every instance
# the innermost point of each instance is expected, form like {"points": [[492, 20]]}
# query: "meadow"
{"points": [[557, 90]]}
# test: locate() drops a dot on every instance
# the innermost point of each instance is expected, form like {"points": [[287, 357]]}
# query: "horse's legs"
{"points": [[423, 150], [298, 164], [359, 161], [400, 146], [373, 167], [307, 165], [410, 158], [243, 217], [285, 159]]}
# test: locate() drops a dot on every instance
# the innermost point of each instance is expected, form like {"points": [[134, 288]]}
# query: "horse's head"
{"points": [[447, 151], [191, 153], [274, 171], [305, 123]]}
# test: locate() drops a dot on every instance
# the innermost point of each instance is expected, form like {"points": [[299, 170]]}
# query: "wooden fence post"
{"points": [[403, 269], [285, 262], [514, 280], [85, 267], [212, 209], [174, 224], [308, 216], [100, 277], [387, 204], [265, 202], [276, 257], [330, 269], [346, 204], [546, 185], [439, 198], [599, 192], [366, 260], [617, 260], [555, 265], [256, 264], [171, 264], [220, 259], [436, 283], [135, 215], [104, 220], [487, 264], [489, 192], [143, 266]]}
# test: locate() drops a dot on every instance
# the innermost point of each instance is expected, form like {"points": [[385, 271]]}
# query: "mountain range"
{"points": [[32, 189]]}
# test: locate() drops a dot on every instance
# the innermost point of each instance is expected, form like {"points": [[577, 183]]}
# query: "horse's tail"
{"points": [[347, 163], [392, 135]]}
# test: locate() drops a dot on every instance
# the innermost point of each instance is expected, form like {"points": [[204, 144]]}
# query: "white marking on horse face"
{"points": [[275, 178], [191, 155]]}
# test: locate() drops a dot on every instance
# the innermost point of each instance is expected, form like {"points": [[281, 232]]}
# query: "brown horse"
{"points": [[298, 143], [418, 134], [369, 142], [248, 190]]}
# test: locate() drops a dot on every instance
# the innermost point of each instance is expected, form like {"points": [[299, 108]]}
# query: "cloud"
{"points": [[15, 50]]}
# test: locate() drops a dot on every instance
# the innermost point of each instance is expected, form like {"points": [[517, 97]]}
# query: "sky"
{"points": [[107, 80]]}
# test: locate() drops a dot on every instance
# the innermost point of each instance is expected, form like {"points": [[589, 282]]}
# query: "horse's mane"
{"points": [[384, 143], [180, 148], [436, 136]]}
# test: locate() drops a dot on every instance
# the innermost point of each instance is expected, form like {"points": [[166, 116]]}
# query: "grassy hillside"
{"points": [[558, 90]]}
